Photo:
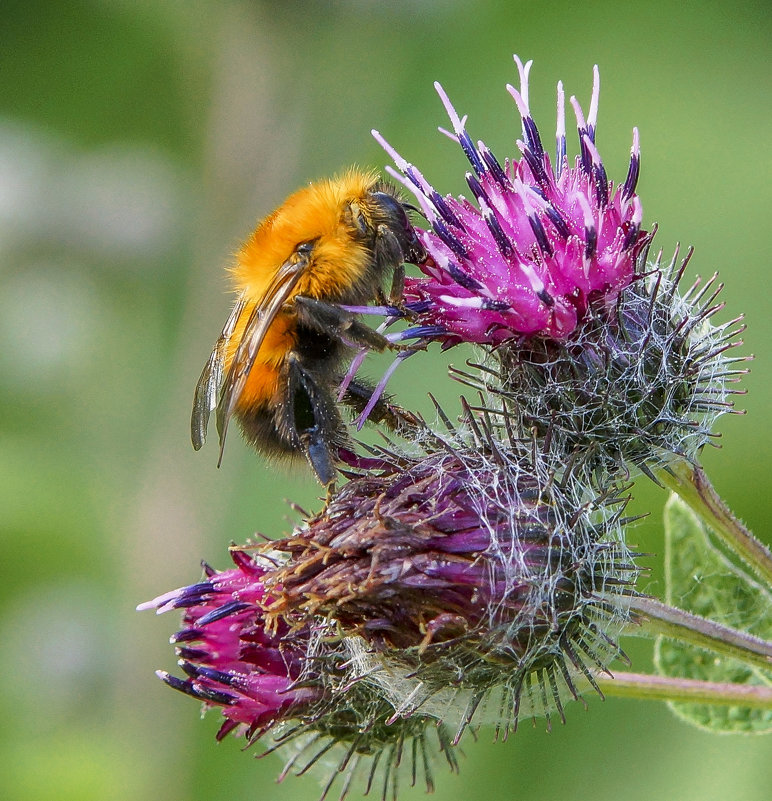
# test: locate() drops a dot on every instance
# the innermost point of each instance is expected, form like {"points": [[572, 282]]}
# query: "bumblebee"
{"points": [[277, 363]]}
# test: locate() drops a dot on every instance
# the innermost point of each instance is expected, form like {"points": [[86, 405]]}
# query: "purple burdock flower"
{"points": [[541, 246], [289, 683], [468, 571], [231, 659], [582, 341]]}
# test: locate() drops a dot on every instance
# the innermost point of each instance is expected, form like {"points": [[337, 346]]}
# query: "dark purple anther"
{"points": [[495, 168], [631, 236], [222, 612], [591, 242], [218, 676], [631, 182], [584, 153], [186, 635], [191, 654], [212, 696], [463, 278], [536, 163], [476, 187], [471, 153], [491, 304], [601, 184], [546, 298], [557, 220], [439, 203], [540, 234], [503, 242], [532, 139], [423, 332], [455, 244]]}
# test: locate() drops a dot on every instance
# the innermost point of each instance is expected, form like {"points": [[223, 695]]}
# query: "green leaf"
{"points": [[700, 579]]}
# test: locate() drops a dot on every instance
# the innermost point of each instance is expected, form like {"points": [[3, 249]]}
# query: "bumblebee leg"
{"points": [[312, 420], [399, 420], [319, 457], [397, 285], [387, 250], [330, 319], [397, 288]]}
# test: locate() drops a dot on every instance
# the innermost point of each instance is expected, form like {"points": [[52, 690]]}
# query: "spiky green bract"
{"points": [[470, 573], [635, 387], [357, 741]]}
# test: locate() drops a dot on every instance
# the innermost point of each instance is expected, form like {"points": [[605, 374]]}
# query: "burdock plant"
{"points": [[582, 337], [477, 570]]}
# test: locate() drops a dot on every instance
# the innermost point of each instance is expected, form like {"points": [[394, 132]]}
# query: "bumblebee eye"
{"points": [[393, 208], [305, 248]]}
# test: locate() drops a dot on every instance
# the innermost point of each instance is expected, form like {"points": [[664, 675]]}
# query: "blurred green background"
{"points": [[139, 142]]}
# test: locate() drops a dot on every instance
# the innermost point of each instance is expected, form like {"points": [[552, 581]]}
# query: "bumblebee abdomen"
{"points": [[259, 426]]}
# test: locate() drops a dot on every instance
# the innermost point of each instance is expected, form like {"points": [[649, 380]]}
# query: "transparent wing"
{"points": [[205, 398], [264, 313]]}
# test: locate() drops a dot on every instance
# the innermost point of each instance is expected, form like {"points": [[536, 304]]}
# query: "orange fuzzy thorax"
{"points": [[314, 213]]}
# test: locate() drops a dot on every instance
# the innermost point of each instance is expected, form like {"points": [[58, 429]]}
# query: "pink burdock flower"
{"points": [[582, 340], [468, 572], [287, 686], [542, 244], [231, 660]]}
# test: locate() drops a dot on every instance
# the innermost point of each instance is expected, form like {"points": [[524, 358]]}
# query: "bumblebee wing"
{"points": [[205, 398], [264, 313]]}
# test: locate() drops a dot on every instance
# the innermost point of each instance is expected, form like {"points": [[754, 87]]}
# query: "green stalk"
{"points": [[692, 484], [676, 624], [664, 688]]}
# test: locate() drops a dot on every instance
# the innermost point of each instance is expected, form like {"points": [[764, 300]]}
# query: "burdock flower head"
{"points": [[469, 573], [256, 677], [544, 242], [582, 340], [287, 686]]}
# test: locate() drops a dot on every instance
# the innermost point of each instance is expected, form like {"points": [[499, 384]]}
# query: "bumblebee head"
{"points": [[382, 221], [348, 231]]}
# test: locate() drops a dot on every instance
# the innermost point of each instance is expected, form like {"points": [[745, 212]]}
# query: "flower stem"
{"points": [[692, 484], [664, 688], [669, 621]]}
